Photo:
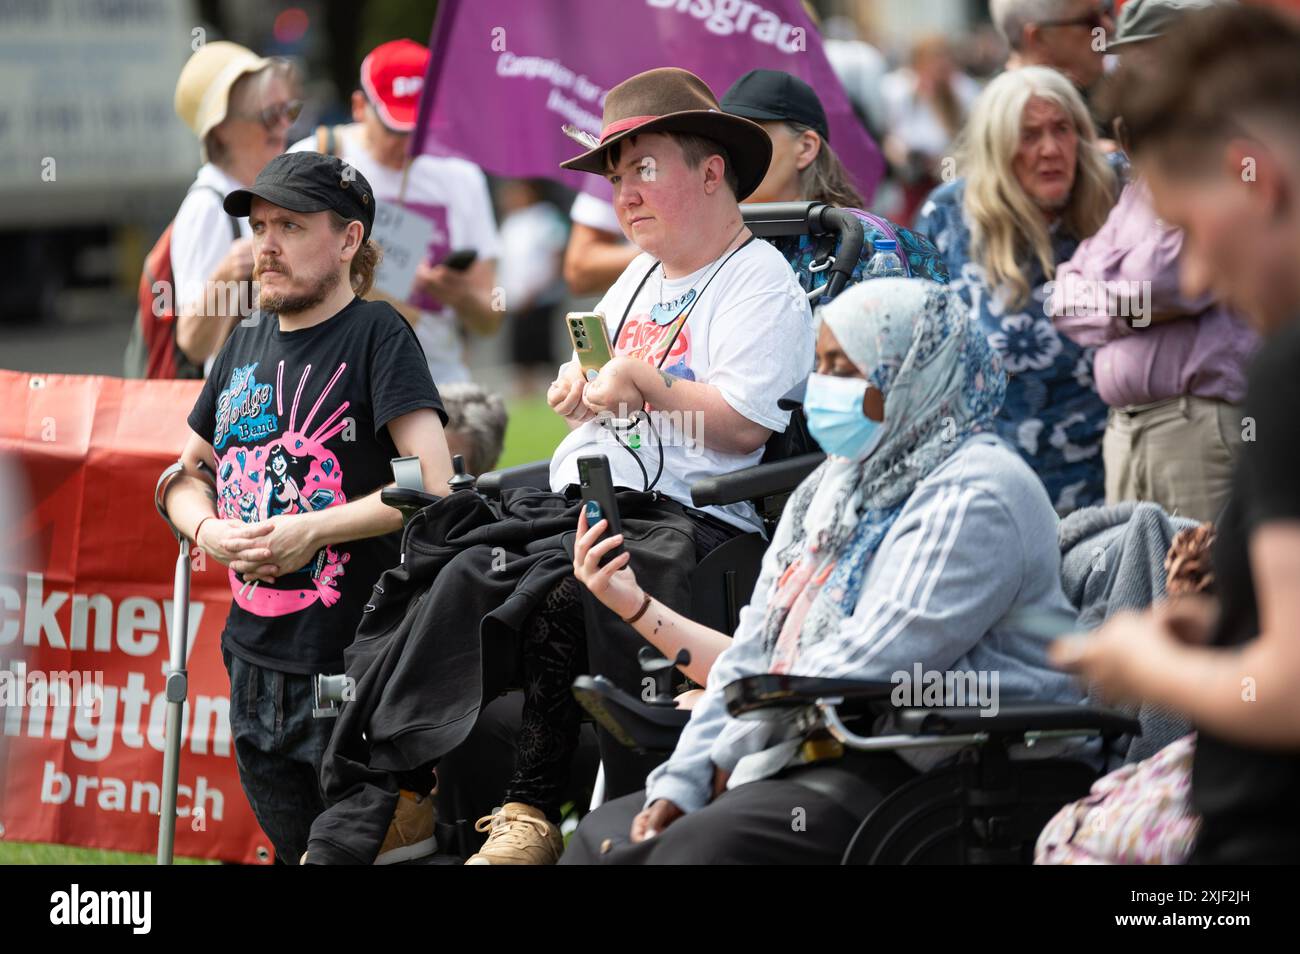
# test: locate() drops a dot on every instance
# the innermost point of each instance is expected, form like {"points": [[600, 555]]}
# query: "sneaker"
{"points": [[411, 832], [521, 835]]}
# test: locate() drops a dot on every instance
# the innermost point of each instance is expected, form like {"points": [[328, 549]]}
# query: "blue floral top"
{"points": [[1052, 413]]}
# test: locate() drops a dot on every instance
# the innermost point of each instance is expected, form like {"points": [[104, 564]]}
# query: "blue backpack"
{"points": [[919, 256]]}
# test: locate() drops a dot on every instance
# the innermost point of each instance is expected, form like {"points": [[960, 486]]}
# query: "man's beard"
{"points": [[289, 304]]}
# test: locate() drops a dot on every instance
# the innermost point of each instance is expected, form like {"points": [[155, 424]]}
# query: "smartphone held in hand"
{"points": [[598, 500], [461, 260], [590, 341]]}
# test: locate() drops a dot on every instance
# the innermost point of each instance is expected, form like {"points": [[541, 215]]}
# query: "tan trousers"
{"points": [[1177, 453]]}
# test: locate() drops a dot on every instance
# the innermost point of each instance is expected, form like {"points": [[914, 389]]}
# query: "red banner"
{"points": [[86, 581]]}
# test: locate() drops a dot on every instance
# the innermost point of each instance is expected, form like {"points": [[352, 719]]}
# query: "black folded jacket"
{"points": [[441, 638]]}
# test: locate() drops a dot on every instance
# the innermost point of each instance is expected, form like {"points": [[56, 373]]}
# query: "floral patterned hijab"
{"points": [[942, 382]]}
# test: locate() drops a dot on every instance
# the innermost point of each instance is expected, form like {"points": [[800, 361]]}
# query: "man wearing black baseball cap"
{"points": [[306, 405]]}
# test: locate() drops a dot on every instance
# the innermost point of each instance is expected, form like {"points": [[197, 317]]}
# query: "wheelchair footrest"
{"points": [[638, 725]]}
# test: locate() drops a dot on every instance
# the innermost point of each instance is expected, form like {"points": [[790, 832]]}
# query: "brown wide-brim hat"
{"points": [[671, 100]]}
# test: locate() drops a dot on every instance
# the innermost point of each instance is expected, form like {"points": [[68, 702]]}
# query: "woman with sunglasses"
{"points": [[240, 106]]}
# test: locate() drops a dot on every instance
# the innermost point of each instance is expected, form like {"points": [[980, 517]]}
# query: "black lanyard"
{"points": [[690, 309]]}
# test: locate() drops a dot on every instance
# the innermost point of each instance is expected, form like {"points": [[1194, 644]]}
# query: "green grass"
{"points": [[15, 853], [533, 434]]}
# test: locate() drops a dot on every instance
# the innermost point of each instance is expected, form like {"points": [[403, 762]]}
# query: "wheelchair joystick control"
{"points": [[659, 673], [460, 480]]}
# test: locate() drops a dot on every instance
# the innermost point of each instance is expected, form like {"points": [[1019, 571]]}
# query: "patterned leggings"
{"points": [[554, 654]]}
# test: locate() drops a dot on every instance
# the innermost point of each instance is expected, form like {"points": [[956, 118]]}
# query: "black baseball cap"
{"points": [[309, 182], [768, 95]]}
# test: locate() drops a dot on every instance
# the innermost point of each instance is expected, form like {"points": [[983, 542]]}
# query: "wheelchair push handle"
{"points": [[848, 249], [777, 219]]}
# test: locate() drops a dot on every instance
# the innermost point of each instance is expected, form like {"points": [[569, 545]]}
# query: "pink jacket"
{"points": [[1130, 267]]}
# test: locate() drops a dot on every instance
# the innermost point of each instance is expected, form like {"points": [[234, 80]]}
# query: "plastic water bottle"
{"points": [[885, 263]]}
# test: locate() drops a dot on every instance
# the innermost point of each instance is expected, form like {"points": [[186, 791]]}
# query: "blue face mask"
{"points": [[833, 407]]}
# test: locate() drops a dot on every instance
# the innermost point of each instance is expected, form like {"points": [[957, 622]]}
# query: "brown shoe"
{"points": [[521, 835], [411, 832]]}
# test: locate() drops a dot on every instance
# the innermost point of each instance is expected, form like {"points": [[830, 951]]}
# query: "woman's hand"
{"points": [[1122, 658], [450, 286], [237, 264], [1190, 618], [720, 778], [614, 584], [654, 818]]}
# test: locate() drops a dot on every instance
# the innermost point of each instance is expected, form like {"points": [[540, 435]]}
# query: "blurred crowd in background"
{"points": [[911, 70]]}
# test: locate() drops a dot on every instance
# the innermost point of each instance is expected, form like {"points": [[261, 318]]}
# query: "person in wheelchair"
{"points": [[909, 548], [708, 329]]}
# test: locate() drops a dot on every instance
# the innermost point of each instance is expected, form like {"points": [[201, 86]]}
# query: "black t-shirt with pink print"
{"points": [[297, 421]]}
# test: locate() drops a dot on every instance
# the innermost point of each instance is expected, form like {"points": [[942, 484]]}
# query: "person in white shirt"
{"points": [[860, 67], [533, 236], [240, 106], [708, 329], [450, 193]]}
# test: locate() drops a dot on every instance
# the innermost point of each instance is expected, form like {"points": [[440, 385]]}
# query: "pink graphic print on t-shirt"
{"points": [[293, 473]]}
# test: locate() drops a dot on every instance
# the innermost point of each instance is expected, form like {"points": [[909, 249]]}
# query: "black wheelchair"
{"points": [[981, 805]]}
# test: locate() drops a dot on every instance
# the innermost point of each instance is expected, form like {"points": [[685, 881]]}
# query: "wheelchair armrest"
{"points": [[535, 474], [771, 691], [407, 500], [761, 480], [636, 724], [1014, 719]]}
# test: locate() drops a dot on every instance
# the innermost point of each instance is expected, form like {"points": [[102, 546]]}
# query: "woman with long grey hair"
{"points": [[1034, 185]]}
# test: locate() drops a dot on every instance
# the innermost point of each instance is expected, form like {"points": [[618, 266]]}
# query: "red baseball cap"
{"points": [[392, 77]]}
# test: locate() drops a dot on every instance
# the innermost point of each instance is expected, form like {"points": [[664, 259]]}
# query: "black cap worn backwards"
{"points": [[768, 95], [310, 182]]}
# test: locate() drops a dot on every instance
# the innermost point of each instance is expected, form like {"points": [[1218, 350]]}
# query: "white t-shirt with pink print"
{"points": [[748, 332]]}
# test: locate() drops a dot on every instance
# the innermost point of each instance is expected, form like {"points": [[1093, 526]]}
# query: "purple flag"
{"points": [[505, 76]]}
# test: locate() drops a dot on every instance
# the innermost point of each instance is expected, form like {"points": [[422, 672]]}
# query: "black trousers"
{"points": [[278, 750], [554, 654], [773, 821]]}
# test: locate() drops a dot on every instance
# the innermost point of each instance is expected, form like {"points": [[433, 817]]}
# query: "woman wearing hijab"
{"points": [[909, 547]]}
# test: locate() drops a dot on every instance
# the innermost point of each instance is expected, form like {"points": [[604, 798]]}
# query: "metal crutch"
{"points": [[177, 685]]}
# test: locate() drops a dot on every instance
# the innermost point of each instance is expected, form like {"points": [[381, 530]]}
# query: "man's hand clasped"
{"points": [[263, 550]]}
